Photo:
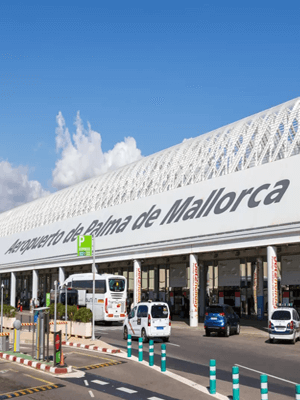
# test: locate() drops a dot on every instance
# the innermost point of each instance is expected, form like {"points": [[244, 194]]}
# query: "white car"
{"points": [[148, 320], [284, 324]]}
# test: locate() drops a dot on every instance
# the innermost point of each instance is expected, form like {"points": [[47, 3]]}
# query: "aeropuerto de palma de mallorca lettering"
{"points": [[214, 217]]}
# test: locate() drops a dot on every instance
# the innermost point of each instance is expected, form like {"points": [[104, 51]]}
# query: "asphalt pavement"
{"points": [[188, 356]]}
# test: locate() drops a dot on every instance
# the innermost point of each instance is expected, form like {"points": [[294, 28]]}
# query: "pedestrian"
{"points": [[18, 305], [31, 305]]}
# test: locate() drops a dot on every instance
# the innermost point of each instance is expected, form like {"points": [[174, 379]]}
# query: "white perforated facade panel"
{"points": [[262, 138]]}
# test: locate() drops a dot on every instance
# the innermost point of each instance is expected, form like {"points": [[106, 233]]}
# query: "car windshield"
{"points": [[159, 311], [280, 315], [215, 309], [116, 285]]}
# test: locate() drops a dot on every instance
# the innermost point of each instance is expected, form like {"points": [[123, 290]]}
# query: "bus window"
{"points": [[72, 298], [116, 285], [100, 286]]}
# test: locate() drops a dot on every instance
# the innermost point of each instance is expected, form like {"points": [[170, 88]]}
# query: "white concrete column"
{"points": [[137, 290], [13, 287], [202, 274], [61, 275], [35, 284], [254, 285], [260, 288], [272, 280], [194, 285]]}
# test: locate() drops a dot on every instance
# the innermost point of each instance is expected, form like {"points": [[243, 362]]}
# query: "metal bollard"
{"points": [[297, 392], [212, 377], [235, 383], [163, 366], [264, 387], [129, 346], [140, 349], [151, 353]]}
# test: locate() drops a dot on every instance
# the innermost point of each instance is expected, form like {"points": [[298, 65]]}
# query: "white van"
{"points": [[148, 320]]}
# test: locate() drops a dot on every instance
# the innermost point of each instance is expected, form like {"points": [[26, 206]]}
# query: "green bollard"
{"points": [[212, 377], [297, 392], [129, 346], [235, 383], [163, 367], [140, 349], [264, 387], [151, 353]]}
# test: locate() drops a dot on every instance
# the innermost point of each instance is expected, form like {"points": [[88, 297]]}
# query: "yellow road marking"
{"points": [[90, 355], [39, 379]]}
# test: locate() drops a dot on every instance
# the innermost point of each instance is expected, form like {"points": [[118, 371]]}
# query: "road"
{"points": [[189, 352], [188, 356], [98, 376]]}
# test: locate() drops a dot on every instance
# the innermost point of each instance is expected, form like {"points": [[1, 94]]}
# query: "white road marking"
{"points": [[271, 376], [86, 383], [100, 382], [155, 398], [173, 344], [127, 390], [91, 393]]}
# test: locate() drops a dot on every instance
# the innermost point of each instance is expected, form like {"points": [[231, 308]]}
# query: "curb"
{"points": [[36, 364], [91, 347]]}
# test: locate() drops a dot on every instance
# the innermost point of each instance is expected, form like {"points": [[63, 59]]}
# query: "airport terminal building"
{"points": [[213, 218]]}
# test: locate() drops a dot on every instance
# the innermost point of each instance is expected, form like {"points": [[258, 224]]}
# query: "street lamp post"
{"points": [[2, 287]]}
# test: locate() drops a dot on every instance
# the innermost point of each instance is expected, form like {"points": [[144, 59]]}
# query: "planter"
{"points": [[74, 328], [61, 327], [8, 323], [81, 329]]}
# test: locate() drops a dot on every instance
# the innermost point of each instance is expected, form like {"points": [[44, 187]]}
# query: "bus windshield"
{"points": [[116, 285]]}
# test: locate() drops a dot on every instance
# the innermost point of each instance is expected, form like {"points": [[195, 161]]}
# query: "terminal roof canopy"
{"points": [[262, 138]]}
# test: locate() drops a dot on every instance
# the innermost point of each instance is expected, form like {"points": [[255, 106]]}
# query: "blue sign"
{"points": [[35, 318]]}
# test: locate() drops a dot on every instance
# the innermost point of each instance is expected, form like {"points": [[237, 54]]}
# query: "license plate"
{"points": [[116, 315], [214, 318], [159, 327]]}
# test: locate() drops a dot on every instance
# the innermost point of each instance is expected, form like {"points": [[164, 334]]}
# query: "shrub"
{"points": [[83, 315], [9, 311]]}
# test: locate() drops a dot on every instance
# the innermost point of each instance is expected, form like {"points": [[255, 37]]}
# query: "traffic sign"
{"points": [[84, 245], [47, 299]]}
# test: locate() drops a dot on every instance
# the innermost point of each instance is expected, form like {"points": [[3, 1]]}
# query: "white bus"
{"points": [[110, 294]]}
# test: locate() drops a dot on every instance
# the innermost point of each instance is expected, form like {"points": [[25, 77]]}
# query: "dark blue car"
{"points": [[221, 319]]}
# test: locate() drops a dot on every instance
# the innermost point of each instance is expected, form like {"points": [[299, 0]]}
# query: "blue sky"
{"points": [[157, 72]]}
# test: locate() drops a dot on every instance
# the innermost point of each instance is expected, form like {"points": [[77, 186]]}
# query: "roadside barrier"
{"points": [[140, 349], [264, 387], [4, 334], [151, 353], [212, 377], [59, 323], [129, 346], [297, 392], [28, 323], [235, 383], [163, 367]]}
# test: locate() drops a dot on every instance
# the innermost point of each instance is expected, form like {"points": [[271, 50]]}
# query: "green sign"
{"points": [[84, 245], [47, 299]]}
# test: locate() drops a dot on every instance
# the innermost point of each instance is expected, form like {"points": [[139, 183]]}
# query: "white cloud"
{"points": [[16, 188], [81, 156]]}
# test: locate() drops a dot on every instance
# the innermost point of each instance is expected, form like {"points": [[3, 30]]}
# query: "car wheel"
{"points": [[227, 330], [294, 339], [166, 339], [144, 336], [238, 329], [207, 333], [125, 333]]}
